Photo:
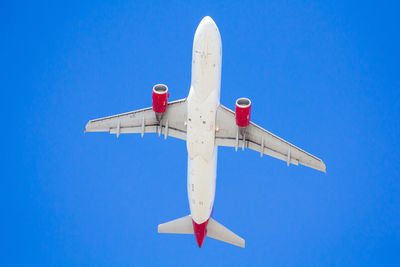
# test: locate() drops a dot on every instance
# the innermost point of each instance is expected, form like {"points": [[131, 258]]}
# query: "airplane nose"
{"points": [[207, 20], [207, 29]]}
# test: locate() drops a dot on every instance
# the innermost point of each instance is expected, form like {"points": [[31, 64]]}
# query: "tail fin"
{"points": [[179, 226], [215, 230], [218, 231]]}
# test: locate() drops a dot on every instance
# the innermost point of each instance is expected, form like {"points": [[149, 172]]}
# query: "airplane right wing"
{"points": [[260, 140], [144, 121]]}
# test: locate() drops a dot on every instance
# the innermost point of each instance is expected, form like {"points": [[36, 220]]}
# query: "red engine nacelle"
{"points": [[160, 99], [242, 112]]}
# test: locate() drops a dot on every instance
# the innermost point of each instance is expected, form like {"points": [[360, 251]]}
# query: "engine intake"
{"points": [[242, 112], [160, 99]]}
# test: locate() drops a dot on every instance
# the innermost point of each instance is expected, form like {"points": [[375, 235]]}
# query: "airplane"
{"points": [[205, 125]]}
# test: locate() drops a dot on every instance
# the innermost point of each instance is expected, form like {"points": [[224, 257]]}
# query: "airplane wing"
{"points": [[260, 140], [144, 121]]}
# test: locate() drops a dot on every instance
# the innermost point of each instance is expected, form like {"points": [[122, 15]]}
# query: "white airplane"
{"points": [[205, 124]]}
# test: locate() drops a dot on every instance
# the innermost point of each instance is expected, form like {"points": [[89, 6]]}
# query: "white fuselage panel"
{"points": [[202, 103]]}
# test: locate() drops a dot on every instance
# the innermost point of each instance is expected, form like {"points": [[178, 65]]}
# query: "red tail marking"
{"points": [[200, 231]]}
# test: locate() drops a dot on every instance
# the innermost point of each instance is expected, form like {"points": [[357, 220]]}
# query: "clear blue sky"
{"points": [[323, 76]]}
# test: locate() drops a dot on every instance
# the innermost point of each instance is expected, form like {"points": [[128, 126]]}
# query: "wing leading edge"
{"points": [[260, 140]]}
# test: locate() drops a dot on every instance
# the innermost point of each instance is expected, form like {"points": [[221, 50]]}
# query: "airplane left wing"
{"points": [[144, 121], [260, 140]]}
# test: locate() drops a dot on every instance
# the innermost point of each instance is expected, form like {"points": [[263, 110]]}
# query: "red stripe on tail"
{"points": [[200, 231]]}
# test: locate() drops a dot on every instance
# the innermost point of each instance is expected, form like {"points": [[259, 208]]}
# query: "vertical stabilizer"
{"points": [[210, 228]]}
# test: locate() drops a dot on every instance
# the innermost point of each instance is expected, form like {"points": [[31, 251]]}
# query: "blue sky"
{"points": [[324, 76]]}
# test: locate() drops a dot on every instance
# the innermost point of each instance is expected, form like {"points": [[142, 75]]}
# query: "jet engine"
{"points": [[160, 99], [242, 113]]}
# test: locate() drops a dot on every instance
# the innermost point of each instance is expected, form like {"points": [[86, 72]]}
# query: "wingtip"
{"points": [[86, 127], [323, 167]]}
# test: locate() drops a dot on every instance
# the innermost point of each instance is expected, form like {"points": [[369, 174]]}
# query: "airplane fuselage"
{"points": [[202, 104]]}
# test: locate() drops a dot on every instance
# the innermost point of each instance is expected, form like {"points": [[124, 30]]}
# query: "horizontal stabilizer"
{"points": [[218, 231], [179, 226]]}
